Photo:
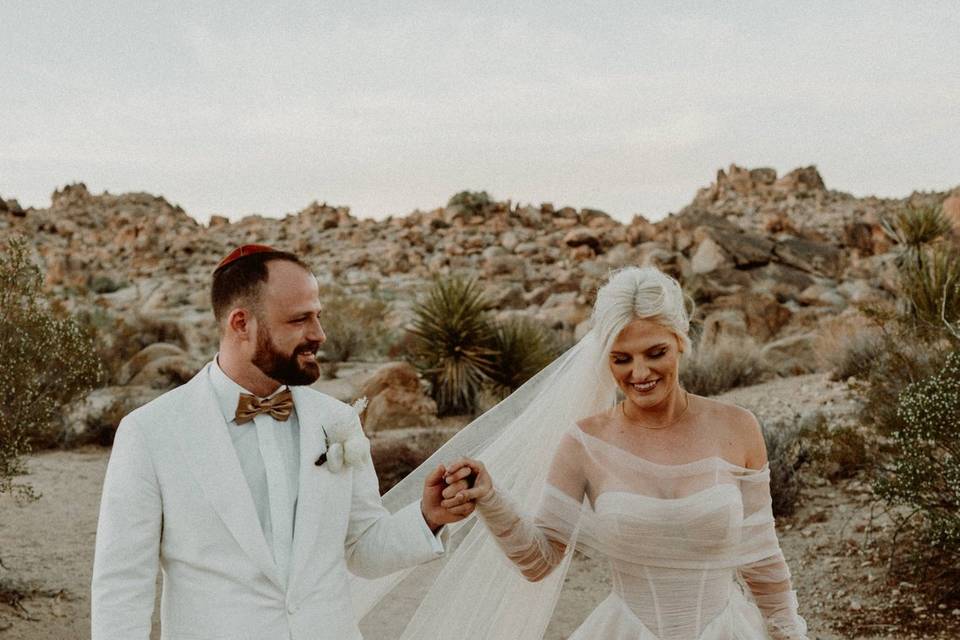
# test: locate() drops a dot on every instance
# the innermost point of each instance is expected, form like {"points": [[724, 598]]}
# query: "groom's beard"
{"points": [[285, 368]]}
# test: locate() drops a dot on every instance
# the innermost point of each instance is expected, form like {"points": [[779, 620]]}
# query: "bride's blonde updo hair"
{"points": [[640, 293]]}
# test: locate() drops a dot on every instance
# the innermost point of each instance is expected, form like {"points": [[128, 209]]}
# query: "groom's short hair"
{"points": [[242, 279]]}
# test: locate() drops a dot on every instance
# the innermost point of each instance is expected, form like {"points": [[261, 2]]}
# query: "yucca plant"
{"points": [[931, 285], [452, 344], [524, 347], [913, 227]]}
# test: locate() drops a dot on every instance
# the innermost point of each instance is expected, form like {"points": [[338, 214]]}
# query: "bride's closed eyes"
{"points": [[624, 358]]}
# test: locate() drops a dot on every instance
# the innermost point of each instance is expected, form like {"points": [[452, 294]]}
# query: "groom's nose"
{"points": [[315, 332]]}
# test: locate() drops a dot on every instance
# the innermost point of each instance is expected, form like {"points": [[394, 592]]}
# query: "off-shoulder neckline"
{"points": [[682, 465]]}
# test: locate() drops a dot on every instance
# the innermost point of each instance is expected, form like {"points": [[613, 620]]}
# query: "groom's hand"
{"points": [[434, 513]]}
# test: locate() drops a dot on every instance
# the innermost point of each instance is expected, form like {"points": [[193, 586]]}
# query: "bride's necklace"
{"points": [[686, 405]]}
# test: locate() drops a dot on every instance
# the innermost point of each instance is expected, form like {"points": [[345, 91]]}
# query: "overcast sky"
{"points": [[238, 108]]}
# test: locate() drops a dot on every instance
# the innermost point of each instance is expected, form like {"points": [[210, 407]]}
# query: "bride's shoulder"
{"points": [[739, 427], [595, 425]]}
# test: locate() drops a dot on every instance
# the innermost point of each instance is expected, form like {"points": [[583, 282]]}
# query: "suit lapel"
{"points": [[314, 480], [210, 452]]}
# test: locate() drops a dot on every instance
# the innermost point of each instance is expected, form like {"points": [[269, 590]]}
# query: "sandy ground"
{"points": [[47, 546]]}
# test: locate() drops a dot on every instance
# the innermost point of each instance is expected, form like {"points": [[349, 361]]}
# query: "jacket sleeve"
{"points": [[379, 543], [126, 558]]}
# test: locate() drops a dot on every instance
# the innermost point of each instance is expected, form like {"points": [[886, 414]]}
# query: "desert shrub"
{"points": [[902, 359], [452, 344], [116, 338], [48, 360], [354, 327], [473, 202], [104, 284], [523, 347], [850, 354], [835, 452], [924, 475], [786, 454], [725, 364]]}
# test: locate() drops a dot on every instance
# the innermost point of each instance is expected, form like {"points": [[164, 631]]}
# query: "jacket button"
{"points": [[291, 609]]}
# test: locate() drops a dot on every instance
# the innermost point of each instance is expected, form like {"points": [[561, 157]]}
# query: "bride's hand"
{"points": [[474, 472]]}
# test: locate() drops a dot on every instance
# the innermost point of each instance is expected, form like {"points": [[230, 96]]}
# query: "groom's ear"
{"points": [[241, 324]]}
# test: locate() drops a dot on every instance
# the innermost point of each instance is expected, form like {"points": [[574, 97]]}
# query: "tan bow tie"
{"points": [[279, 406]]}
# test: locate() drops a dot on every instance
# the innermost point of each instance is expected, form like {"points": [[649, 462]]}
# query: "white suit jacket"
{"points": [[174, 495]]}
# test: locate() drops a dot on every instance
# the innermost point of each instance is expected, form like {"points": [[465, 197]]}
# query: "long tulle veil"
{"points": [[474, 592]]}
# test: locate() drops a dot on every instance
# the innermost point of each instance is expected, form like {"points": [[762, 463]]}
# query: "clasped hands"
{"points": [[450, 492]]}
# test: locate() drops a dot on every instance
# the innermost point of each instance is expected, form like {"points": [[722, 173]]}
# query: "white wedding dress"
{"points": [[682, 541], [691, 548]]}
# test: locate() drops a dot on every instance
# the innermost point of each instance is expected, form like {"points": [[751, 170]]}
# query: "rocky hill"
{"points": [[766, 257]]}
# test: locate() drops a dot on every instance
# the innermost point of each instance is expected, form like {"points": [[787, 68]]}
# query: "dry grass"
{"points": [[725, 364]]}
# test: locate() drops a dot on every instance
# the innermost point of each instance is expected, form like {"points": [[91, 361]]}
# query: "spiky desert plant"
{"points": [[48, 360], [452, 343], [524, 347], [930, 283], [913, 227]]}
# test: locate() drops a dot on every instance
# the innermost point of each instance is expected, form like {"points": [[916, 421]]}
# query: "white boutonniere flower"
{"points": [[346, 445]]}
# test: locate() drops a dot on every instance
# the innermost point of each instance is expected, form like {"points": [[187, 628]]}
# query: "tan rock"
{"points": [[708, 257], [396, 399], [792, 355], [166, 372], [145, 356]]}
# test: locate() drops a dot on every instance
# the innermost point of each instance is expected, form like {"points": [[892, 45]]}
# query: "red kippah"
{"points": [[242, 252]]}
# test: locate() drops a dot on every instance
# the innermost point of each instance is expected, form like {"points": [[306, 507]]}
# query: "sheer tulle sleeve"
{"points": [[537, 545], [764, 569]]}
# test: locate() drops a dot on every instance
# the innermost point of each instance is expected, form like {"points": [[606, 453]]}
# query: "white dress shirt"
{"points": [[269, 455]]}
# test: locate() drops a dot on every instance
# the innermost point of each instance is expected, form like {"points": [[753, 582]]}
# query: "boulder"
{"points": [[792, 355], [708, 257], [813, 257], [167, 372], [582, 237], [146, 355], [395, 399], [746, 249], [764, 316], [726, 323]]}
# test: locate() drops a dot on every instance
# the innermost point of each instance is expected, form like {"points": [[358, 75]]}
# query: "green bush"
{"points": [[354, 326], [473, 202], [925, 473], [452, 344], [48, 360], [836, 452], [786, 455], [523, 347], [725, 364], [853, 354]]}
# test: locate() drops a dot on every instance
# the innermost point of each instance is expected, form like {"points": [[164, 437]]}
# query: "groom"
{"points": [[253, 493]]}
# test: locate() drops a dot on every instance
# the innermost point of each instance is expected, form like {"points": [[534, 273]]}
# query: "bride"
{"points": [[672, 490]]}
